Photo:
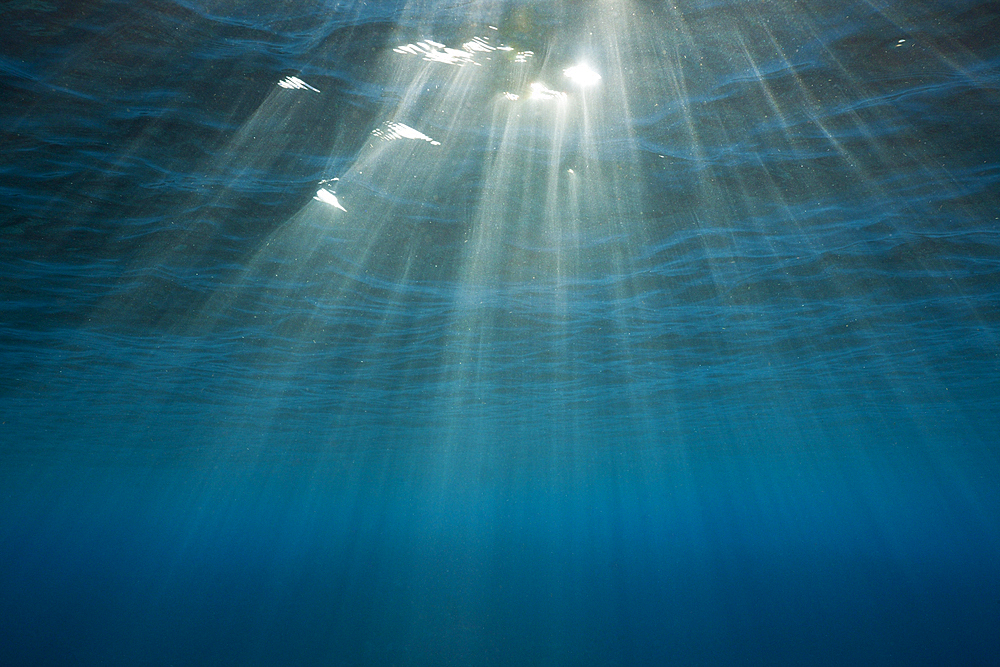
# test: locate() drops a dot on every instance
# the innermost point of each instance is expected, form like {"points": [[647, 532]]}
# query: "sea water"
{"points": [[499, 333]]}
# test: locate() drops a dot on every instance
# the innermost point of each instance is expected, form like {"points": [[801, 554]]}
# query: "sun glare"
{"points": [[582, 75]]}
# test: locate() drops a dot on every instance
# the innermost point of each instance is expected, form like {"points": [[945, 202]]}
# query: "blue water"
{"points": [[326, 338]]}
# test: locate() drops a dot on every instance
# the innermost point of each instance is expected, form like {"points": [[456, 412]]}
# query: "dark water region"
{"points": [[495, 332]]}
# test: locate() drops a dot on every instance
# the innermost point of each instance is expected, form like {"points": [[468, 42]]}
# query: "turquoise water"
{"points": [[375, 333]]}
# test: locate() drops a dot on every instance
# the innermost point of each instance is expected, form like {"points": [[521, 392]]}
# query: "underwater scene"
{"points": [[499, 332]]}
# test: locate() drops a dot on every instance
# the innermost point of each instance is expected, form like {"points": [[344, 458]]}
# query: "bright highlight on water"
{"points": [[582, 75]]}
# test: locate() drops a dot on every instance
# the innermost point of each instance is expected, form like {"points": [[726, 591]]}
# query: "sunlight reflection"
{"points": [[392, 130], [294, 82], [582, 75], [328, 197], [539, 91], [468, 54]]}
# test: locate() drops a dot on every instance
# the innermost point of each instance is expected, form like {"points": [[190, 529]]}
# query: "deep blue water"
{"points": [[327, 339]]}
